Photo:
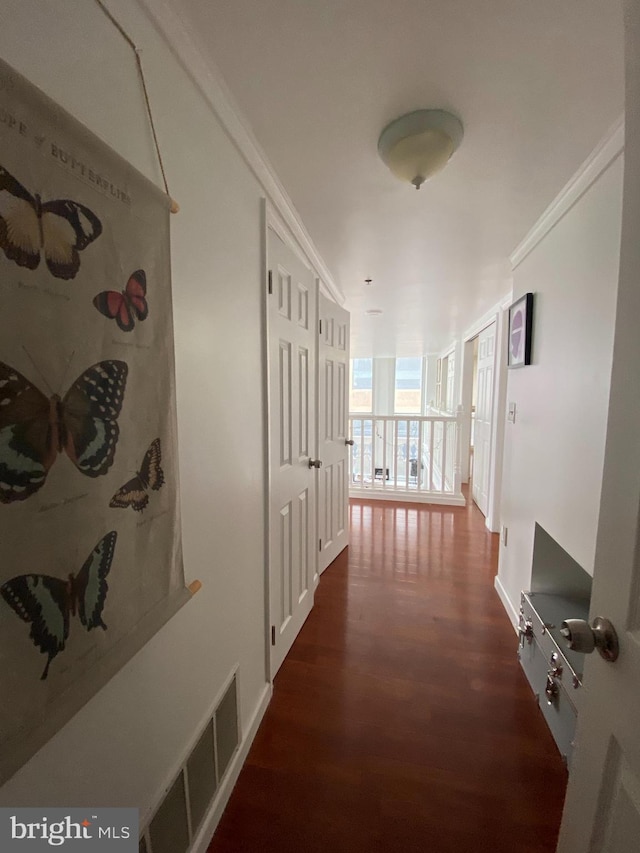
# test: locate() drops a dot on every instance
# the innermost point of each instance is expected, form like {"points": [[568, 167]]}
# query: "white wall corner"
{"points": [[186, 46], [512, 613], [608, 149]]}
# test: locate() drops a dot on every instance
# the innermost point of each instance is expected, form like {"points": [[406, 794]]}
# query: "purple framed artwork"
{"points": [[520, 328]]}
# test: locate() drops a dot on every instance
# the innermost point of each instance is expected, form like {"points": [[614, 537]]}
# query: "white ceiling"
{"points": [[536, 84]]}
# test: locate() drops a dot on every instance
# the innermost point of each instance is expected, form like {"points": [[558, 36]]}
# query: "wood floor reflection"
{"points": [[400, 720]]}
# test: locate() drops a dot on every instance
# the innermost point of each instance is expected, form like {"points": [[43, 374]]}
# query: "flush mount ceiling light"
{"points": [[373, 312], [419, 144]]}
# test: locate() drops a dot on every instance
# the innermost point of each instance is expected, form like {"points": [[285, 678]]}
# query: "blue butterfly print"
{"points": [[48, 603]]}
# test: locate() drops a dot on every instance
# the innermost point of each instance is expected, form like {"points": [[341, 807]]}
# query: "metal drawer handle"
{"points": [[551, 691], [525, 630]]}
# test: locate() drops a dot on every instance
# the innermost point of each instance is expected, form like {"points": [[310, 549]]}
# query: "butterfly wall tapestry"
{"points": [[90, 551]]}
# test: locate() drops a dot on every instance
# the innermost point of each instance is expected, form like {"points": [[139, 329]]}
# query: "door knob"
{"points": [[350, 442], [315, 463], [600, 635]]}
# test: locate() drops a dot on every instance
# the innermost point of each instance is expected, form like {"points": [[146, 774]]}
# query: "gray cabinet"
{"points": [[560, 589]]}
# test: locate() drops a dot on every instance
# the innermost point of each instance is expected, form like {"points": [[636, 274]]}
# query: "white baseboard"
{"points": [[203, 838], [512, 613]]}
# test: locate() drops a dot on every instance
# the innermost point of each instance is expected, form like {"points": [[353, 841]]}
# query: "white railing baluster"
{"points": [[431, 451], [421, 426], [443, 473], [374, 451], [362, 453], [407, 428], [395, 454], [384, 454]]}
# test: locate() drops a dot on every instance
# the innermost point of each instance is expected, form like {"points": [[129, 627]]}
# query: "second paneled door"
{"points": [[333, 376]]}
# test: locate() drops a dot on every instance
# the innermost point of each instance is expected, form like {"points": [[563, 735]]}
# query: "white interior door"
{"points": [[292, 324], [602, 811], [333, 375], [484, 417]]}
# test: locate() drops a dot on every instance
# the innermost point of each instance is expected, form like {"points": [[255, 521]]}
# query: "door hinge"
{"points": [[270, 282], [320, 323], [320, 545], [273, 635]]}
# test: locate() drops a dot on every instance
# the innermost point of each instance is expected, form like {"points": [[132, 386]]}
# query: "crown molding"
{"points": [[488, 317], [209, 81], [608, 150]]}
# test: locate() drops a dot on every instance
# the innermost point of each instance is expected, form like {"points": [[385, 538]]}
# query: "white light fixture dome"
{"points": [[419, 144]]}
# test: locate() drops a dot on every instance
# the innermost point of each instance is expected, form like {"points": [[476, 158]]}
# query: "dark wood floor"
{"points": [[400, 720]]}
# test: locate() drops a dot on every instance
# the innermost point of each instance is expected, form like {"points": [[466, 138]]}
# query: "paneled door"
{"points": [[602, 809], [292, 329], [333, 396], [484, 417]]}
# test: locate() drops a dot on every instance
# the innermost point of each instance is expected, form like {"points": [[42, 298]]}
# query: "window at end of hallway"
{"points": [[361, 386], [408, 386]]}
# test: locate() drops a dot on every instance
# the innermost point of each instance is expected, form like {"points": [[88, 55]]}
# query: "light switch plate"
{"points": [[511, 415]]}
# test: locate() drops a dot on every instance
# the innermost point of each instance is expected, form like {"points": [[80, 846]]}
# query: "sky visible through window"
{"points": [[361, 395], [408, 386]]}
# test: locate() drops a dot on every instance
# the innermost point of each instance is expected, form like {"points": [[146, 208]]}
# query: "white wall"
{"points": [[554, 452], [431, 376], [121, 748]]}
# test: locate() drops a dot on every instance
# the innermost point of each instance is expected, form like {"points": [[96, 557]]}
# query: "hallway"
{"points": [[400, 720]]}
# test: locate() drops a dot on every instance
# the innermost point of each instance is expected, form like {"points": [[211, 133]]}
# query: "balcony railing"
{"points": [[406, 458]]}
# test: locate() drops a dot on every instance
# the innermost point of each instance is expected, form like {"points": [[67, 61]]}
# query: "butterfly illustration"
{"points": [[28, 226], [47, 602], [35, 429], [150, 476], [127, 306]]}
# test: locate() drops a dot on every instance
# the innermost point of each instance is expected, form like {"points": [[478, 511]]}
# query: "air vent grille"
{"points": [[186, 803], [227, 729], [169, 830], [201, 772]]}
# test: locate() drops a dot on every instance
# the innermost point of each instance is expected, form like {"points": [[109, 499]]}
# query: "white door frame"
{"points": [[500, 315], [271, 219]]}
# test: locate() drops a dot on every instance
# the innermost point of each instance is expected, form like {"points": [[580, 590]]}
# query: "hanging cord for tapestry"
{"points": [[175, 207]]}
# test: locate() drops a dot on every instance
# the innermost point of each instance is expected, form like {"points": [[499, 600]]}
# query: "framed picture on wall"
{"points": [[520, 329]]}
